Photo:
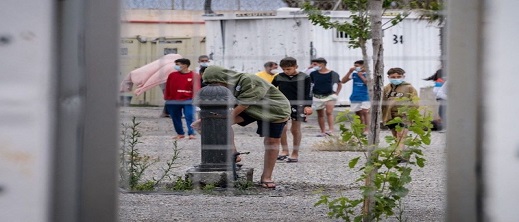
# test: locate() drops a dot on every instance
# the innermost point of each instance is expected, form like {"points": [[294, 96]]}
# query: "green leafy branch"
{"points": [[133, 164], [389, 176]]}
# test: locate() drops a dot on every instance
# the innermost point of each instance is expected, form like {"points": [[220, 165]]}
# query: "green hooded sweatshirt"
{"points": [[265, 101]]}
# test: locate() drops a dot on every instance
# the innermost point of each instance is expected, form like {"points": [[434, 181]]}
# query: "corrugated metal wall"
{"points": [[250, 43]]}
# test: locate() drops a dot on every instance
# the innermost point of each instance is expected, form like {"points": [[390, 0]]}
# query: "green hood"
{"points": [[217, 74], [264, 100]]}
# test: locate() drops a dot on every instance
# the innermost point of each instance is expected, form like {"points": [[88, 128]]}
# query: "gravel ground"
{"points": [[299, 185]]}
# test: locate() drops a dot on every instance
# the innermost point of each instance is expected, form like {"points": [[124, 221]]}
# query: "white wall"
{"points": [[249, 43]]}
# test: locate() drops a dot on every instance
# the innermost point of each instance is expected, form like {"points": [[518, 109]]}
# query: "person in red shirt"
{"points": [[181, 86]]}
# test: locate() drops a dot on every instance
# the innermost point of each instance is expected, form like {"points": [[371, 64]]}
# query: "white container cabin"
{"points": [[245, 41]]}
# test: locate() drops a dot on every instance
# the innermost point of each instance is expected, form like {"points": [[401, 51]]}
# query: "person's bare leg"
{"points": [[296, 134], [366, 119], [320, 120], [329, 114], [269, 161], [360, 115], [237, 119], [400, 139], [284, 142], [233, 145]]}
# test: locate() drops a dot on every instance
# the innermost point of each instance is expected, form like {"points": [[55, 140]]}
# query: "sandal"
{"points": [[268, 185], [282, 157], [292, 160]]}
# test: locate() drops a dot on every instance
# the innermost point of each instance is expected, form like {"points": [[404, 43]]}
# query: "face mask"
{"points": [[204, 64], [177, 67], [274, 71], [396, 81], [358, 69], [316, 68]]}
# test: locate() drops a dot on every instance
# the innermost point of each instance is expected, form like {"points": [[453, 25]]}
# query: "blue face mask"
{"points": [[204, 64], [396, 81], [177, 67]]}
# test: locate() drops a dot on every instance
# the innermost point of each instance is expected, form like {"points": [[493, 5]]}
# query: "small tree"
{"points": [[366, 23]]}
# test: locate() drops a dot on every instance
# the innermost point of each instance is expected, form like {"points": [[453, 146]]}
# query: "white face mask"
{"points": [[204, 64], [358, 69], [316, 68], [274, 71], [396, 81]]}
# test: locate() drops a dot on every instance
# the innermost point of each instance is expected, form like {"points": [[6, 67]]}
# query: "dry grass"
{"points": [[335, 143]]}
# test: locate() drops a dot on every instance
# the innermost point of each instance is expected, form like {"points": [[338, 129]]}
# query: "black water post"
{"points": [[215, 102]]}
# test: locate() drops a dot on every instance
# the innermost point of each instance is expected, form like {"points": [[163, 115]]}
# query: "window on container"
{"points": [[340, 36], [170, 51]]}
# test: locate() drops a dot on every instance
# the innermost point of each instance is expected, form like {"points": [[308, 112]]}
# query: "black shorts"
{"points": [[393, 126], [272, 130], [297, 112]]}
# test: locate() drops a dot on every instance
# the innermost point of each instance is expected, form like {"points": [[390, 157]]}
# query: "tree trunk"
{"points": [[375, 10]]}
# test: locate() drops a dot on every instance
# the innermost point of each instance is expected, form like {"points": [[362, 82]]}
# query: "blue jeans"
{"points": [[175, 109]]}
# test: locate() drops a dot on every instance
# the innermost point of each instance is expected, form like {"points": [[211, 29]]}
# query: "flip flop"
{"points": [[268, 185], [282, 157], [292, 160]]}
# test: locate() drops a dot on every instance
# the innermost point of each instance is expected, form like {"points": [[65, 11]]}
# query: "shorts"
{"points": [[320, 101], [358, 106], [272, 130], [393, 126], [297, 113]]}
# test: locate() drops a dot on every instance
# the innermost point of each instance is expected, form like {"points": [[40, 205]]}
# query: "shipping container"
{"points": [[244, 41]]}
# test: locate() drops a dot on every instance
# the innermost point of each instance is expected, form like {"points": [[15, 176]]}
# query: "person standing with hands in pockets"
{"points": [[360, 101], [295, 86]]}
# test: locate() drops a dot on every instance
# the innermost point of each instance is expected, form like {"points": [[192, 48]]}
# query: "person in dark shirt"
{"points": [[323, 80], [295, 86]]}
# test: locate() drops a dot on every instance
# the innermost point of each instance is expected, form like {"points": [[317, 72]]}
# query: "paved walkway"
{"points": [[300, 184]]}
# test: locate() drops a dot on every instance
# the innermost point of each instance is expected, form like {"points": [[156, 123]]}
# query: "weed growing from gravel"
{"points": [[384, 175], [243, 184], [181, 184], [133, 164]]}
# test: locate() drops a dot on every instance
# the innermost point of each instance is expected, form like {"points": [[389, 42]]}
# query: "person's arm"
{"points": [[308, 97], [347, 77], [308, 91], [362, 77], [196, 83], [338, 82], [339, 87], [275, 81], [166, 92], [414, 95], [442, 92], [237, 110]]}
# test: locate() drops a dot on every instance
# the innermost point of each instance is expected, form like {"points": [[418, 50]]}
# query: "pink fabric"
{"points": [[149, 75]]}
